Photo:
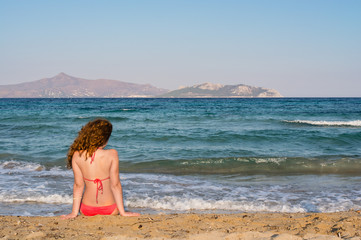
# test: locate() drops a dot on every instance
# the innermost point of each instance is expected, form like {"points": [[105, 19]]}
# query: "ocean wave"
{"points": [[21, 166], [50, 199], [11, 167], [343, 165], [249, 166], [174, 203], [188, 204], [354, 123]]}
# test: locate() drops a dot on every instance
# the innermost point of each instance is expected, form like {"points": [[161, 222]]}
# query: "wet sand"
{"points": [[260, 226]]}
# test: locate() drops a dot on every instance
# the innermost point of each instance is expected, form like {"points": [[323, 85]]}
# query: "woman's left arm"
{"points": [[78, 189]]}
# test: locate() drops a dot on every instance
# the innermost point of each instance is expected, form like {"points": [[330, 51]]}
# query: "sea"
{"points": [[189, 155]]}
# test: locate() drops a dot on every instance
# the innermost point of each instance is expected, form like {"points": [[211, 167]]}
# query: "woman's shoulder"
{"points": [[77, 154], [111, 151], [111, 154]]}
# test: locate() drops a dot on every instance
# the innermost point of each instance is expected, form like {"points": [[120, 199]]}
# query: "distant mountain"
{"points": [[209, 90], [65, 86]]}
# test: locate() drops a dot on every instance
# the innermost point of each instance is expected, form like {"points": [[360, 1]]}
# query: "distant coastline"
{"points": [[65, 86]]}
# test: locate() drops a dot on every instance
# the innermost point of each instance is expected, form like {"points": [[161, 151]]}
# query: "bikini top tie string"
{"points": [[99, 183]]}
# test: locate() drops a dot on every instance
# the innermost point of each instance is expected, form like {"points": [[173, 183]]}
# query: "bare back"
{"points": [[96, 175]]}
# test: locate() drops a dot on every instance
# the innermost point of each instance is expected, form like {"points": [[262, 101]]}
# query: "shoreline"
{"points": [[290, 226]]}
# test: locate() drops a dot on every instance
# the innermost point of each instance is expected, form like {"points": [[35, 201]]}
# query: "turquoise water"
{"points": [[176, 155]]}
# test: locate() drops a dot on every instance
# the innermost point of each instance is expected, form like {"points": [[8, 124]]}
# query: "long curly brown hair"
{"points": [[93, 135]]}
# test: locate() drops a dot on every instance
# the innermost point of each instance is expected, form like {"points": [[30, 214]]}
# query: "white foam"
{"points": [[355, 123], [50, 199], [18, 165], [34, 168], [205, 162], [269, 160], [186, 204]]}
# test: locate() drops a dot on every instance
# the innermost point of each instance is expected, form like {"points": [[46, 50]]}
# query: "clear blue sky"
{"points": [[299, 47]]}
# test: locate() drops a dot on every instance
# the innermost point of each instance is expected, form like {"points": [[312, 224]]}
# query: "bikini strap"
{"points": [[93, 156]]}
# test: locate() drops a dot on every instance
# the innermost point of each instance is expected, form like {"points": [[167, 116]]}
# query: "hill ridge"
{"points": [[65, 86], [211, 90]]}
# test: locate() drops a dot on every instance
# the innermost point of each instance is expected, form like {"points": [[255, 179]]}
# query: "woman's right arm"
{"points": [[78, 189], [116, 186]]}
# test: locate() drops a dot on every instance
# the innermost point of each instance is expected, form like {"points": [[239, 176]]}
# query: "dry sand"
{"points": [[278, 226]]}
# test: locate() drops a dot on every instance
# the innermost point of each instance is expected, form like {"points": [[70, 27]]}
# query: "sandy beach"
{"points": [[342, 225]]}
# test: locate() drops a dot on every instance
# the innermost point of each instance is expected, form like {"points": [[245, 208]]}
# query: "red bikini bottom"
{"points": [[92, 211]]}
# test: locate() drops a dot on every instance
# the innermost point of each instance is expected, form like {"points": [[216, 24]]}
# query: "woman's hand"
{"points": [[69, 216], [130, 214]]}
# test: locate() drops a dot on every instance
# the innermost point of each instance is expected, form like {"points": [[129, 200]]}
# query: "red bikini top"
{"points": [[97, 181]]}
